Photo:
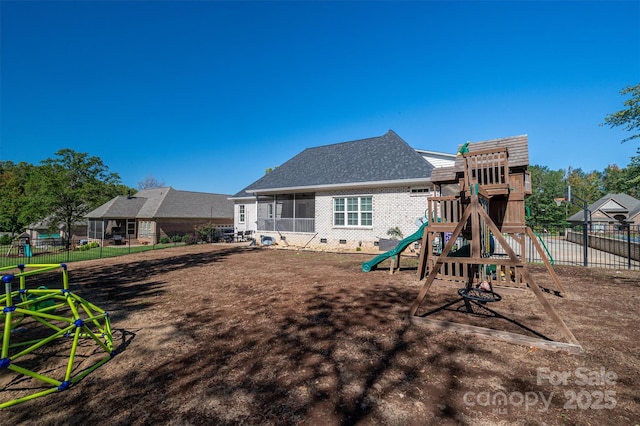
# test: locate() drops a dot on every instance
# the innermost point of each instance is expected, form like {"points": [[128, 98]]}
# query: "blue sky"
{"points": [[206, 95]]}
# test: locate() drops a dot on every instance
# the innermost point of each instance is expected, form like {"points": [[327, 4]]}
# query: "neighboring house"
{"points": [[610, 212], [342, 195], [44, 231], [151, 214]]}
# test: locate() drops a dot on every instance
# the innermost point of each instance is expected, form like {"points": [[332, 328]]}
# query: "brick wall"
{"points": [[391, 207], [171, 227]]}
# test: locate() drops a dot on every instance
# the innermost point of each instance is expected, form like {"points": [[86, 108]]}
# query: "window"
{"points": [[145, 229], [96, 229], [353, 211], [241, 219], [420, 190], [131, 227]]}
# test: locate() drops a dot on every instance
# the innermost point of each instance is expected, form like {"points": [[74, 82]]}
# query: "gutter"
{"points": [[313, 188]]}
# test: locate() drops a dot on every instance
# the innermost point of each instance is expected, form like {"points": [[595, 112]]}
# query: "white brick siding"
{"points": [[391, 207]]}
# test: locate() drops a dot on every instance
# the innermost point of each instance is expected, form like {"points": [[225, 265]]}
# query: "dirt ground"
{"points": [[229, 334]]}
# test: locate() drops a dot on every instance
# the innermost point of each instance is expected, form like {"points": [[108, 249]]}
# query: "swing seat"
{"points": [[479, 295]]}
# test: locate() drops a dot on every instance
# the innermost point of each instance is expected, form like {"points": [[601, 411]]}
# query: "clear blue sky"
{"points": [[206, 95]]}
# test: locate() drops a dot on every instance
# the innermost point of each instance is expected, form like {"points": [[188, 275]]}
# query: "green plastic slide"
{"points": [[403, 244]]}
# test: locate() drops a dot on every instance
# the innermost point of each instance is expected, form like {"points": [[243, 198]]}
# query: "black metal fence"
{"points": [[59, 250], [612, 247], [617, 247]]}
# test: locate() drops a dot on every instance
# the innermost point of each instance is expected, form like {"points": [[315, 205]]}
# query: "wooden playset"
{"points": [[477, 236]]}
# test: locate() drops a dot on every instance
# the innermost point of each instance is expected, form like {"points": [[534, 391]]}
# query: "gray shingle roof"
{"points": [[385, 158], [165, 203], [632, 204]]}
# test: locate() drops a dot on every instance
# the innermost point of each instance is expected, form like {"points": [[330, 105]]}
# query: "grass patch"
{"points": [[60, 255]]}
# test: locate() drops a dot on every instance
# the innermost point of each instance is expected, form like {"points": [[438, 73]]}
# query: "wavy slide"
{"points": [[403, 244]]}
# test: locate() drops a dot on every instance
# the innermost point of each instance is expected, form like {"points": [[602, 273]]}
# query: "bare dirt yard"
{"points": [[229, 334]]}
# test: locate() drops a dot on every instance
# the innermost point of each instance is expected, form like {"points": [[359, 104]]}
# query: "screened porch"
{"points": [[287, 213]]}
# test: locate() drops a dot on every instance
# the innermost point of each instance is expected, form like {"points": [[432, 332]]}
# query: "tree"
{"points": [[629, 117], [149, 182], [545, 186], [64, 189], [14, 213], [633, 176], [614, 180]]}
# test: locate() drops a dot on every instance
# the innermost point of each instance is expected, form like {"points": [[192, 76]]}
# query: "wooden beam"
{"points": [[506, 336], [482, 261], [549, 309], [550, 269], [433, 272], [425, 250], [484, 151]]}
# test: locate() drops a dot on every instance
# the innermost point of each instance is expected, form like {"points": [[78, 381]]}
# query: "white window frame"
{"points": [[241, 213], [351, 212]]}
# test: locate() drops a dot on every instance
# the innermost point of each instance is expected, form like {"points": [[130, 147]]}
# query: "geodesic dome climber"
{"points": [[43, 325]]}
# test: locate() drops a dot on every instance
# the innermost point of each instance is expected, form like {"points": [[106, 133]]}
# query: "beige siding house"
{"points": [[152, 214]]}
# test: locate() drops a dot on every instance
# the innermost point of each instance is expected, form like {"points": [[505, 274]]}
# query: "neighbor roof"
{"points": [[381, 160], [627, 201], [165, 203]]}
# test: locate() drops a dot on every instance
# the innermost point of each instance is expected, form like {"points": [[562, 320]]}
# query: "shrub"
{"points": [[395, 233], [189, 239], [5, 239], [165, 240], [176, 239]]}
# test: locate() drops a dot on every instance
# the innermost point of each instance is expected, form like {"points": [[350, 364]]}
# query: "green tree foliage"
{"points": [[623, 181], [614, 180], [633, 176], [545, 186], [548, 184], [630, 116], [587, 186], [64, 189], [13, 199]]}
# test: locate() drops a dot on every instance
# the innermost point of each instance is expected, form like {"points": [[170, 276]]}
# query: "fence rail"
{"points": [[613, 248], [287, 224], [617, 248], [58, 250]]}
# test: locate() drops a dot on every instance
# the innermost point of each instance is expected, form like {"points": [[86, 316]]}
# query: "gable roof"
{"points": [[165, 202], [611, 203], [378, 161]]}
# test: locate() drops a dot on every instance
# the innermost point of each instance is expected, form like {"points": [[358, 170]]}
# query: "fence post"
{"points": [[628, 245], [585, 245]]}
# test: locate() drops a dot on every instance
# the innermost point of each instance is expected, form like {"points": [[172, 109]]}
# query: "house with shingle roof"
{"points": [[151, 214], [343, 195], [610, 212]]}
